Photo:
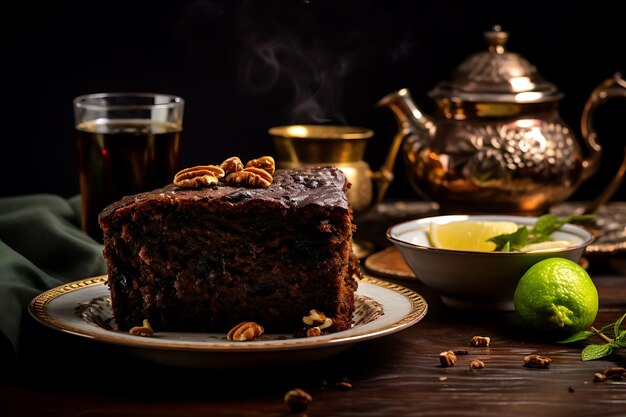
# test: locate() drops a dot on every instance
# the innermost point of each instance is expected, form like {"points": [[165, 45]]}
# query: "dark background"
{"points": [[243, 67]]}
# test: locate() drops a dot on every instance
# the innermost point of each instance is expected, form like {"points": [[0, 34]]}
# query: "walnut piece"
{"points": [[254, 177], [480, 341], [344, 384], [447, 358], [297, 400], [313, 331], [257, 173], [615, 373], [145, 330], [232, 164], [317, 319], [476, 364], [315, 322], [598, 377], [537, 361], [266, 163], [198, 176], [246, 331]]}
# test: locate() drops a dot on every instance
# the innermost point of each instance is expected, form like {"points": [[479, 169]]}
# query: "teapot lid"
{"points": [[496, 75]]}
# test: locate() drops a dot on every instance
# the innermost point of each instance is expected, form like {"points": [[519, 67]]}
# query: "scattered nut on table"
{"points": [[344, 384], [480, 341], [297, 400], [537, 361], [614, 373], [598, 377], [476, 364], [447, 358]]}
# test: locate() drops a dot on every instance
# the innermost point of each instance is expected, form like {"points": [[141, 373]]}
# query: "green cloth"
{"points": [[41, 246]]}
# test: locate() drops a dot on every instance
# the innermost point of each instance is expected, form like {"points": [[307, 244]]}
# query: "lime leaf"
{"points": [[576, 337], [592, 352]]}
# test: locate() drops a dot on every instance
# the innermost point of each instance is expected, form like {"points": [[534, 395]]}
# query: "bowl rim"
{"points": [[579, 231]]}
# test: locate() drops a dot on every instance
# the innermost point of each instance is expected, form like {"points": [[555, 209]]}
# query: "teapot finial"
{"points": [[496, 38]]}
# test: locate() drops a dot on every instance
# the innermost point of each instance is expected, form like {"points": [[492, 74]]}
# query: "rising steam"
{"points": [[277, 52]]}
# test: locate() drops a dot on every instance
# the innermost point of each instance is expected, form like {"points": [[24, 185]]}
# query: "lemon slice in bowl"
{"points": [[469, 234]]}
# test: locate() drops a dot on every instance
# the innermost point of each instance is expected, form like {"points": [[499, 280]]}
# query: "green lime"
{"points": [[556, 296]]}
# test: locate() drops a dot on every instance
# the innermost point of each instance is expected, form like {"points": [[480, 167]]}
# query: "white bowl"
{"points": [[471, 279]]}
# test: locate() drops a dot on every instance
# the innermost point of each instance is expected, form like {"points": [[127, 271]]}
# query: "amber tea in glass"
{"points": [[127, 144]]}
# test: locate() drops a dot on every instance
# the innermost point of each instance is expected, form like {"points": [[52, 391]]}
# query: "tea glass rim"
{"points": [[82, 101]]}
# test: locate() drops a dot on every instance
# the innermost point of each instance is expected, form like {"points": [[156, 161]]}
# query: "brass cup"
{"points": [[339, 146]]}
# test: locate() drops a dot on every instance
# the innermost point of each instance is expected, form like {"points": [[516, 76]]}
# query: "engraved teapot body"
{"points": [[497, 142]]}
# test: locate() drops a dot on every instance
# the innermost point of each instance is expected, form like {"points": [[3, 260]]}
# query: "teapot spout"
{"points": [[410, 119]]}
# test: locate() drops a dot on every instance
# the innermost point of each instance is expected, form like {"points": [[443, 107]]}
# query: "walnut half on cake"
{"points": [[209, 258]]}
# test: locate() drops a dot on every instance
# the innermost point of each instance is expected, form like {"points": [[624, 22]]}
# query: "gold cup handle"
{"points": [[384, 176], [613, 87]]}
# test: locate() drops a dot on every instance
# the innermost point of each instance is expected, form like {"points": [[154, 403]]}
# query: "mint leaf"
{"points": [[619, 343], [592, 352], [545, 224], [511, 241], [576, 337], [608, 330], [540, 232], [611, 332], [618, 323], [620, 339]]}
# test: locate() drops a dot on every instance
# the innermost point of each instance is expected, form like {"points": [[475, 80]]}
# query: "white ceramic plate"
{"points": [[57, 308]]}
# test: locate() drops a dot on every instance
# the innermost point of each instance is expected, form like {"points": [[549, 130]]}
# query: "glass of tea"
{"points": [[127, 143]]}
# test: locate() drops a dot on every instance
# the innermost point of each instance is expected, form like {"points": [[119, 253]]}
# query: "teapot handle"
{"points": [[613, 87]]}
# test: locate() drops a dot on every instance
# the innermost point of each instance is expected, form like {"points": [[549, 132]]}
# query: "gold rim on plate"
{"points": [[39, 309]]}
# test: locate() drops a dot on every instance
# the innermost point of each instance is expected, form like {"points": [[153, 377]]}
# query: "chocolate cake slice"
{"points": [[207, 259]]}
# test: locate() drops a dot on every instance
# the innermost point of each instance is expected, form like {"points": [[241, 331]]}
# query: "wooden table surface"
{"points": [[395, 375]]}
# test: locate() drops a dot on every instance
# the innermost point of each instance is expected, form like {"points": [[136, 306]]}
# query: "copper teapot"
{"points": [[497, 142]]}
